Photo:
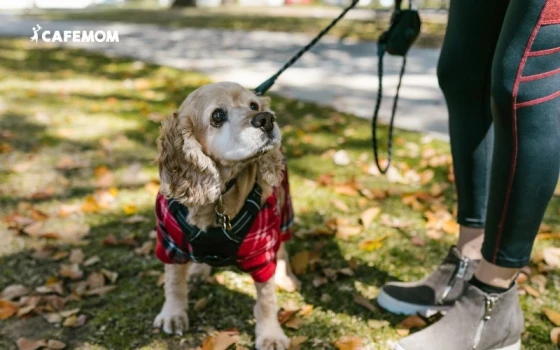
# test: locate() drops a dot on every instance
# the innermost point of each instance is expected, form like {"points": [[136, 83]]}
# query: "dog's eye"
{"points": [[254, 106], [219, 116]]}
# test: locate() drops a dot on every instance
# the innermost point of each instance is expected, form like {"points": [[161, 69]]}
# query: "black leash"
{"points": [[264, 87], [397, 40]]}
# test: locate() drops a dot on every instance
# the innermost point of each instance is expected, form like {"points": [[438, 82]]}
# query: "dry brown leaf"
{"points": [[55, 345], [60, 255], [68, 313], [426, 176], [368, 215], [305, 310], [77, 256], [555, 335], [551, 256], [74, 321], [553, 316], [95, 280], [53, 317], [346, 231], [92, 261], [71, 271], [101, 290], [286, 315], [325, 179], [297, 341], [25, 310], [340, 205], [145, 249], [418, 241], [299, 262], [530, 290], [220, 341], [34, 230], [294, 323], [200, 304], [349, 342], [360, 300], [319, 281], [345, 189], [402, 332], [14, 291], [28, 344], [7, 309], [540, 282], [111, 276], [413, 321]]}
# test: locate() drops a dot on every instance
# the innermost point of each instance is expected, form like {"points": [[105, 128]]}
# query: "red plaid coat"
{"points": [[257, 252]]}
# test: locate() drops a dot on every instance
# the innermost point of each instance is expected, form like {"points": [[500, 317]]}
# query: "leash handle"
{"points": [[381, 54], [266, 85]]}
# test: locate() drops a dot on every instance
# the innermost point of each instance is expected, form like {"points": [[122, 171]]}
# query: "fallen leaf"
{"points": [[305, 310], [68, 313], [349, 342], [346, 231], [368, 215], [417, 241], [377, 324], [90, 205], [28, 344], [553, 316], [130, 209], [71, 271], [450, 226], [402, 332], [555, 335], [7, 309], [95, 280], [551, 256], [540, 282], [319, 281], [221, 341], [92, 261], [297, 341], [426, 176], [345, 189], [340, 205], [411, 322], [299, 262], [101, 290], [22, 311], [111, 276], [286, 315], [34, 230], [369, 245], [145, 249], [360, 300], [129, 241], [55, 345], [530, 290], [74, 321], [52, 317], [77, 256], [110, 240], [294, 323], [200, 304], [14, 291], [60, 255]]}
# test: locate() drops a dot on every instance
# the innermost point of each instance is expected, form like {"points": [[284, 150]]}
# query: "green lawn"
{"points": [[77, 141], [431, 36]]}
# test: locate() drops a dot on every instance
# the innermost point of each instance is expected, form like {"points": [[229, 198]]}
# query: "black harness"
{"points": [[216, 246]]}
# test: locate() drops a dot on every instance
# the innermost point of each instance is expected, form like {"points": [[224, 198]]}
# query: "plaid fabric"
{"points": [[257, 252]]}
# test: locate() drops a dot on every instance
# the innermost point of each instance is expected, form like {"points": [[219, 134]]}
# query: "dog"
{"points": [[224, 200]]}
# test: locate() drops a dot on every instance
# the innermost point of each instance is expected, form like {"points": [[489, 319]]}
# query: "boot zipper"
{"points": [[461, 270], [490, 302]]}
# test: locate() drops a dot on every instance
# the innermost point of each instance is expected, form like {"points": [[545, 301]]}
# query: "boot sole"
{"points": [[399, 307], [516, 346]]}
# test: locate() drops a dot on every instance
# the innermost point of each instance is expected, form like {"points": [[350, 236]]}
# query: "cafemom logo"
{"points": [[75, 36]]}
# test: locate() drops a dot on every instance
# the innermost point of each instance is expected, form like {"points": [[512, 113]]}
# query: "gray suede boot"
{"points": [[477, 321], [435, 293]]}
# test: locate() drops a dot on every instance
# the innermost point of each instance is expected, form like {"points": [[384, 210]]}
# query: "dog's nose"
{"points": [[263, 120]]}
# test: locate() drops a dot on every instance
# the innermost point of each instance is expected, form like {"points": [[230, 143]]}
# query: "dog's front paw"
{"points": [[172, 320], [272, 338]]}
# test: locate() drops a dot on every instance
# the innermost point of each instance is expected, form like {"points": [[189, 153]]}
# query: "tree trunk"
{"points": [[184, 3]]}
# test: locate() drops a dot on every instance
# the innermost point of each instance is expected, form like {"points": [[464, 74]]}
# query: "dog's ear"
{"points": [[186, 173], [271, 166]]}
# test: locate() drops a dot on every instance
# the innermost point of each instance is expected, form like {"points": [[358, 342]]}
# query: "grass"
{"points": [[69, 117], [431, 36]]}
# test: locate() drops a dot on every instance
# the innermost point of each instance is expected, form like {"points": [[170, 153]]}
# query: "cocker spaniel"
{"points": [[224, 200]]}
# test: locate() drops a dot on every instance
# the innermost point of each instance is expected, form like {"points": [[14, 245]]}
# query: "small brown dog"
{"points": [[224, 200]]}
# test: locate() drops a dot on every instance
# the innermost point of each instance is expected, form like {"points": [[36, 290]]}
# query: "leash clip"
{"points": [[221, 216]]}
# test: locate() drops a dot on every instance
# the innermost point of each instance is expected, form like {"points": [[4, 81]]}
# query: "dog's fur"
{"points": [[196, 160]]}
